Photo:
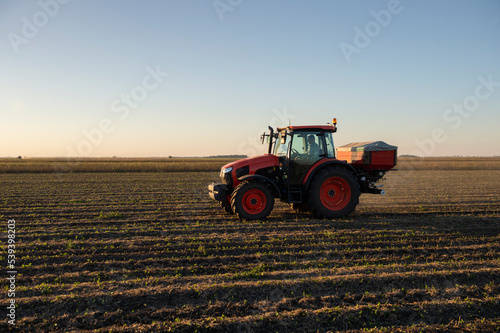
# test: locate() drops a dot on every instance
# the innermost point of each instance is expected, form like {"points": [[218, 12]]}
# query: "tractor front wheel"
{"points": [[226, 206], [252, 200], [333, 193]]}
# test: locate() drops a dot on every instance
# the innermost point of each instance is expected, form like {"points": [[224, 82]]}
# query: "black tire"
{"points": [[226, 206], [333, 193], [252, 200]]}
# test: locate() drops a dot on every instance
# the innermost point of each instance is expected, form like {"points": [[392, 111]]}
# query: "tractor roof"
{"points": [[327, 128]]}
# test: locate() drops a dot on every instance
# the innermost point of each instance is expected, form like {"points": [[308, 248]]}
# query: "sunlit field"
{"points": [[64, 165], [137, 246]]}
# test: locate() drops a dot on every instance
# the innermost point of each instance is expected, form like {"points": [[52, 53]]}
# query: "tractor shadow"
{"points": [[473, 223]]}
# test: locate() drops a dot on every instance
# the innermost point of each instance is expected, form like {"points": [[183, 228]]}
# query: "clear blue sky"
{"points": [[186, 77]]}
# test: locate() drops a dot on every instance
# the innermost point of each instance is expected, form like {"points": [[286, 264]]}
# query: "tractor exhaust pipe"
{"points": [[271, 133], [270, 139]]}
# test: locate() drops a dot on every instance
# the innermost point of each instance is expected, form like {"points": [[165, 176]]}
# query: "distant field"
{"points": [[449, 163], [149, 251], [42, 165]]}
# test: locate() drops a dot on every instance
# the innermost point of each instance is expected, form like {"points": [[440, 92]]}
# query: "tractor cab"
{"points": [[299, 147]]}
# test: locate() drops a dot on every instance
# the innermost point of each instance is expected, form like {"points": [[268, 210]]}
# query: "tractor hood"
{"points": [[254, 163], [230, 173]]}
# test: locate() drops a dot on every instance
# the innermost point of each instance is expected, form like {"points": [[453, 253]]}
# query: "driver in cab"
{"points": [[313, 150]]}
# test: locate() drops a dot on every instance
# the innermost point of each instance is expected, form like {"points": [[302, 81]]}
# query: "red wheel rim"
{"points": [[254, 201], [335, 193]]}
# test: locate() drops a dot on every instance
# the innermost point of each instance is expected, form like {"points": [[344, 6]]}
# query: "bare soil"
{"points": [[138, 252]]}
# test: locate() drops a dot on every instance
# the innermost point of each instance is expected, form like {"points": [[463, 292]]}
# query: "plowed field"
{"points": [[149, 251]]}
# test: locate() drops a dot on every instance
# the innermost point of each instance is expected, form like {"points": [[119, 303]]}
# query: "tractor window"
{"points": [[281, 149], [330, 148], [299, 144], [307, 146]]}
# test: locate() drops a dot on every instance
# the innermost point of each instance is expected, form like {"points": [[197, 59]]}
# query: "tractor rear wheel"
{"points": [[252, 200], [333, 193]]}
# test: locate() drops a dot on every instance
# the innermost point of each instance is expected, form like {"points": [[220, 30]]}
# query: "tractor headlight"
{"points": [[226, 177]]}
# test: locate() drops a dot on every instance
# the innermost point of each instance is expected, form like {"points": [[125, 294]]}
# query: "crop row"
{"points": [[150, 251]]}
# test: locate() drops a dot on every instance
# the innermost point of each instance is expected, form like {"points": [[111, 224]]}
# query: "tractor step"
{"points": [[295, 194]]}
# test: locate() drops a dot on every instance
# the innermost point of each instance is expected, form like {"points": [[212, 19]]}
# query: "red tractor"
{"points": [[301, 169]]}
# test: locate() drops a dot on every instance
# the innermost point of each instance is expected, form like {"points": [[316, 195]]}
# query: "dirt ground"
{"points": [[149, 251]]}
